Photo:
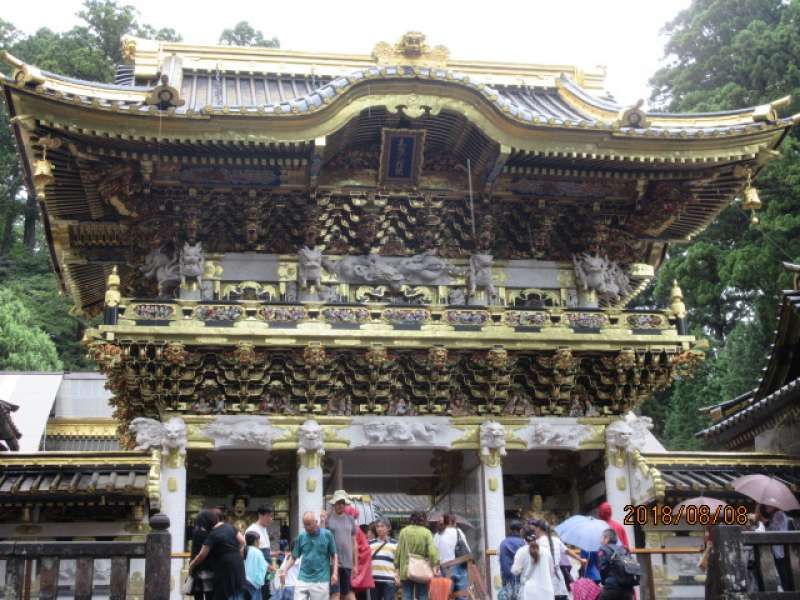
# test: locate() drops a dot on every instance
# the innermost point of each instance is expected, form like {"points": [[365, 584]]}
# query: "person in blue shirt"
{"points": [[506, 551], [255, 566]]}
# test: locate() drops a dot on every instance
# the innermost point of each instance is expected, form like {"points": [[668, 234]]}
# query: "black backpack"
{"points": [[626, 569]]}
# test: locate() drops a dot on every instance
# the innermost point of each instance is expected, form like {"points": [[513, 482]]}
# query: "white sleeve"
{"points": [[519, 561]]}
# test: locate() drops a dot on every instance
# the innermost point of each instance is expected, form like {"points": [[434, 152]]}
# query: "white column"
{"points": [[618, 472], [493, 449], [309, 486], [495, 517], [173, 504], [310, 450]]}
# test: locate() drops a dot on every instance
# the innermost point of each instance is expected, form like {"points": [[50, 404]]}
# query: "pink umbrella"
{"points": [[767, 491], [711, 503]]}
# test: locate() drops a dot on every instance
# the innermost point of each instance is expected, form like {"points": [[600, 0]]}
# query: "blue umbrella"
{"points": [[584, 532]]}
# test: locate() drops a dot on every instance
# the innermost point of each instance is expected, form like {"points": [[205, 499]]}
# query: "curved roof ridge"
{"points": [[95, 84]]}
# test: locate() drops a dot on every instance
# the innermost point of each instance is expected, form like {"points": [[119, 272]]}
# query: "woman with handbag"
{"points": [[417, 558], [384, 549], [203, 577], [451, 544], [225, 546]]}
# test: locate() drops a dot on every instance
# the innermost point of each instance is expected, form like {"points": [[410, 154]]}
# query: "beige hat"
{"points": [[340, 495]]}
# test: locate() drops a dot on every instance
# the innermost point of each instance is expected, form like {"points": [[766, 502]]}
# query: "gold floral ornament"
{"points": [[376, 356], [175, 353], [314, 355], [564, 360], [410, 50], [625, 360], [687, 362], [128, 49], [437, 358], [497, 358], [108, 356], [245, 354]]}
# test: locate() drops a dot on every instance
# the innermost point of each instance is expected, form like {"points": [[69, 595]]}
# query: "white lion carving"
{"points": [[310, 438], [152, 433], [309, 267], [493, 438], [164, 268], [619, 435]]}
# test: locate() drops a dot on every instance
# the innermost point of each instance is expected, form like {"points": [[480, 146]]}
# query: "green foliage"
{"points": [[29, 290], [725, 55], [23, 345], [243, 34]]}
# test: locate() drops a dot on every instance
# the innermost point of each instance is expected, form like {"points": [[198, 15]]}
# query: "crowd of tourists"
{"points": [[335, 558], [332, 558]]}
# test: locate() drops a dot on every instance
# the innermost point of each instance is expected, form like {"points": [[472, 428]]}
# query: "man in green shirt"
{"points": [[318, 549]]}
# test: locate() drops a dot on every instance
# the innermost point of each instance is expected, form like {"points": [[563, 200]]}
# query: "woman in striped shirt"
{"points": [[384, 572]]}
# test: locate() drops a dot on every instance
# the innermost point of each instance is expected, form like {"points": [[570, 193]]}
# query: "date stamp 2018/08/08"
{"points": [[687, 514]]}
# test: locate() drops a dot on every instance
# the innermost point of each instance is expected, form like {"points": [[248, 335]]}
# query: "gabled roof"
{"points": [[59, 477], [687, 474], [778, 393]]}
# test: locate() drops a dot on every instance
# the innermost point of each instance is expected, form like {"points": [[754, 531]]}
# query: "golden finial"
{"points": [[113, 295], [676, 295]]}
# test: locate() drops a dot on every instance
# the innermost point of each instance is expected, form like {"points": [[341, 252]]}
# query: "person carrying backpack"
{"points": [[619, 569]]}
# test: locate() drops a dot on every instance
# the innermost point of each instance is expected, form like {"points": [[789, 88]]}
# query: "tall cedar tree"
{"points": [[723, 55]]}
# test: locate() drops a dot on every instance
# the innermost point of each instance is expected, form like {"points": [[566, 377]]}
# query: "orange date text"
{"points": [[686, 514]]}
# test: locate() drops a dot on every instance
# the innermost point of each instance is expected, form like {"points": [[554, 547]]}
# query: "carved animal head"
{"points": [[619, 435], [192, 261], [174, 434], [310, 257], [493, 437], [310, 436]]}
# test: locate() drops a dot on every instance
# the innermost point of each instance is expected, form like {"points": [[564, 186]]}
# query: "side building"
{"points": [[401, 273]]}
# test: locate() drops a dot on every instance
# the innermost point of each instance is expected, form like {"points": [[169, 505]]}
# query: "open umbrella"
{"points": [[584, 532], [460, 521], [711, 503], [767, 491]]}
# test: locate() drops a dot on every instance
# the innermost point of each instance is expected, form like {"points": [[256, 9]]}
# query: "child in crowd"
{"points": [[255, 566]]}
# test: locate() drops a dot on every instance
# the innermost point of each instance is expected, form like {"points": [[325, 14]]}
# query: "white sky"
{"points": [[623, 35]]}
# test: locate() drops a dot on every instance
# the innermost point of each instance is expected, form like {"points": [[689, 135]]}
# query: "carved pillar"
{"points": [[170, 438], [492, 437], [310, 451], [618, 471]]}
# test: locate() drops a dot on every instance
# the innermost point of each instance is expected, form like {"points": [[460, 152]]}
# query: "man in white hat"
{"points": [[344, 530]]}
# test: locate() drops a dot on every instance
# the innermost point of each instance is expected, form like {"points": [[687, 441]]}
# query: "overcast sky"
{"points": [[623, 35]]}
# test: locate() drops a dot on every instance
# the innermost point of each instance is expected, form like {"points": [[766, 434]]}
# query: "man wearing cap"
{"points": [[344, 530]]}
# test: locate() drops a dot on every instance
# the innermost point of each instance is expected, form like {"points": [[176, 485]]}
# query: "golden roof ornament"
{"points": [[113, 295], [677, 305], [164, 96], [411, 50], [633, 116]]}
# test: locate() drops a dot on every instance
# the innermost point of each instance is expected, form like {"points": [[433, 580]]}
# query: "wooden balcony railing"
{"points": [[29, 562], [742, 565]]}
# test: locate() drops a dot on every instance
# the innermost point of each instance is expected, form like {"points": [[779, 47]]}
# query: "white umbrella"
{"points": [[584, 532]]}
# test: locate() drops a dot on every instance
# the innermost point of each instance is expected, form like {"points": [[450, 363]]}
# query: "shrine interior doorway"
{"points": [[241, 481]]}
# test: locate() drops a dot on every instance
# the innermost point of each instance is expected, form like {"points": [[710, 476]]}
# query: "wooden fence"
{"points": [[742, 564], [155, 550]]}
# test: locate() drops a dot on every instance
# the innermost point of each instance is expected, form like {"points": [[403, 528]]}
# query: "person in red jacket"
{"points": [[604, 512], [362, 576]]}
